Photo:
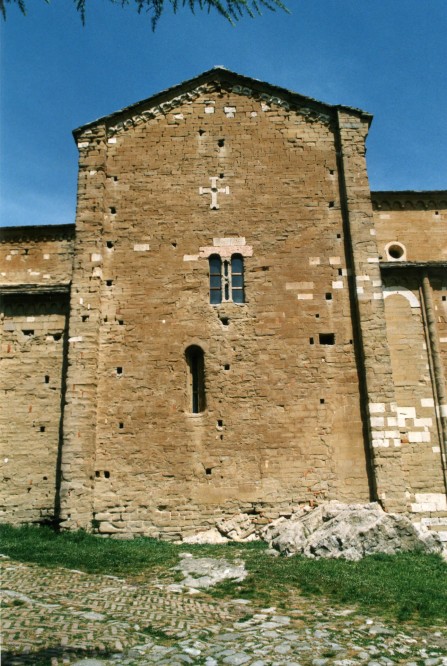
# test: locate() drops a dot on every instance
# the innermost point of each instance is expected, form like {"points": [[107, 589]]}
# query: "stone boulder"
{"points": [[211, 536], [240, 527], [348, 531], [203, 572]]}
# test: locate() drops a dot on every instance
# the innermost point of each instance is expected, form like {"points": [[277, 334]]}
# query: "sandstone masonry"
{"points": [[235, 323]]}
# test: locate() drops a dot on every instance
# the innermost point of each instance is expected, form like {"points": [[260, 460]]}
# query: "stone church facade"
{"points": [[234, 323]]}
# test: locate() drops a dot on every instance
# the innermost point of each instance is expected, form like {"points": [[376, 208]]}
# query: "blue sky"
{"points": [[388, 57]]}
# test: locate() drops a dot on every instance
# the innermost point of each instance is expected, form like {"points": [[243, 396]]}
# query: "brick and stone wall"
{"points": [[282, 420], [35, 266], [412, 244]]}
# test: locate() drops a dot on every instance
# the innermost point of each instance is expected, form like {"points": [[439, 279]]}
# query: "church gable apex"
{"points": [[214, 80]]}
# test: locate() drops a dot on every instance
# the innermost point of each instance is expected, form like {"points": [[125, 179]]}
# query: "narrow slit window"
{"points": [[237, 278], [215, 279], [195, 359]]}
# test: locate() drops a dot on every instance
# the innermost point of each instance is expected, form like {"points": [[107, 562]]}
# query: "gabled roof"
{"points": [[221, 74]]}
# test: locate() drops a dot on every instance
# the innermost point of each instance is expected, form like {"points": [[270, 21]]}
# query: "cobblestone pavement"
{"points": [[58, 616]]}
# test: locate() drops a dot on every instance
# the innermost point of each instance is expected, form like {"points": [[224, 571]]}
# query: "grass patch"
{"points": [[79, 550], [401, 587], [410, 586]]}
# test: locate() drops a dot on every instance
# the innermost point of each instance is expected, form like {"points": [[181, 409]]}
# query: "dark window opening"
{"points": [[221, 143], [331, 204], [208, 471], [42, 428], [113, 210], [121, 425], [237, 278], [328, 296], [215, 263], [119, 370], [226, 366], [327, 338], [201, 132], [195, 359], [57, 336], [109, 244], [109, 283], [396, 251], [28, 331], [225, 321], [219, 423], [311, 341], [47, 379], [317, 316], [84, 318], [107, 475], [321, 401], [340, 271], [97, 474]]}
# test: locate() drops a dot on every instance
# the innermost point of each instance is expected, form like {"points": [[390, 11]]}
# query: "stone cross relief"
{"points": [[214, 191]]}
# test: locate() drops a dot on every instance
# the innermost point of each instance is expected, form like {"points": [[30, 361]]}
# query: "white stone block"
{"points": [[377, 421], [112, 140], [334, 261], [392, 434], [141, 247], [338, 284], [407, 412], [233, 240], [190, 257], [96, 257], [429, 502], [209, 109], [305, 297], [415, 437], [376, 407], [427, 402]]}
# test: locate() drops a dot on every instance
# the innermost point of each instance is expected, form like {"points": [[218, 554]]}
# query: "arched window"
{"points": [[195, 359], [237, 278], [215, 279]]}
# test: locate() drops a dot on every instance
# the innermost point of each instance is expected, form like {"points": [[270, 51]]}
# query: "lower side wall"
{"points": [[31, 377]]}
